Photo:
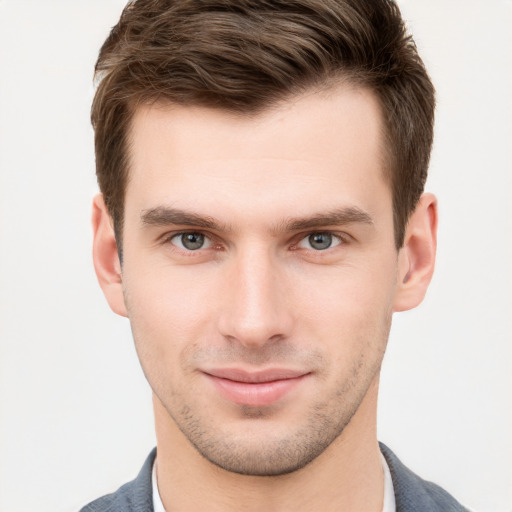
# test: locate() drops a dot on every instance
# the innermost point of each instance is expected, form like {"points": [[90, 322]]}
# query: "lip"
{"points": [[256, 389]]}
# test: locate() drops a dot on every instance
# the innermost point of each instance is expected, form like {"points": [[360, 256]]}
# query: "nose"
{"points": [[256, 302]]}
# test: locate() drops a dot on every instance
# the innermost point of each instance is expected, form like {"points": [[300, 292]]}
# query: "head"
{"points": [[262, 165], [243, 57]]}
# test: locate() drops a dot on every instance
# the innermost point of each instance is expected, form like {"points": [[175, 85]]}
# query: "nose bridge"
{"points": [[255, 311]]}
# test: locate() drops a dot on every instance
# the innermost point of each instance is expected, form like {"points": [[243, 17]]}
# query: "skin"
{"points": [[260, 294]]}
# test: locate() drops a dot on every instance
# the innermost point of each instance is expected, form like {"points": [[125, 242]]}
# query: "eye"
{"points": [[319, 241], [191, 241]]}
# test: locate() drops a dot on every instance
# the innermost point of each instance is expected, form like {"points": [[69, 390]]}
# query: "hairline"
{"points": [[325, 87]]}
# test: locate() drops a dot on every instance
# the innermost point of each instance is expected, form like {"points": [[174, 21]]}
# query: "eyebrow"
{"points": [[166, 216], [336, 217]]}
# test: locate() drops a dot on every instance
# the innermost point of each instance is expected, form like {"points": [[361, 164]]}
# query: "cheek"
{"points": [[350, 309], [169, 313], [168, 297]]}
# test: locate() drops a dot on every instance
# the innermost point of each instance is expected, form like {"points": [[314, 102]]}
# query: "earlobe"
{"points": [[106, 256], [418, 254]]}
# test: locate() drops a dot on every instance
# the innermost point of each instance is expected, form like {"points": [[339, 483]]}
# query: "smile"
{"points": [[256, 389]]}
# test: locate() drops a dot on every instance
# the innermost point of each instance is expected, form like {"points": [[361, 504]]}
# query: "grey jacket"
{"points": [[412, 494]]}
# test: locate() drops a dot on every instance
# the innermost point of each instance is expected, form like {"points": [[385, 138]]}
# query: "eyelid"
{"points": [[178, 236], [342, 238], [167, 238]]}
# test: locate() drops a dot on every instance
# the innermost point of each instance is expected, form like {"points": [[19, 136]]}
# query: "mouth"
{"points": [[255, 389]]}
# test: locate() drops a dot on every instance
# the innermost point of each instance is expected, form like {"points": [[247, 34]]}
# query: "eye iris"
{"points": [[320, 241], [192, 241]]}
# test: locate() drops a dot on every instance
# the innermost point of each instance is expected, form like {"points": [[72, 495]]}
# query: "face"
{"points": [[260, 272]]}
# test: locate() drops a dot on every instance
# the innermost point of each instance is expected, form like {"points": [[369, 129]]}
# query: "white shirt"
{"points": [[389, 492], [158, 506]]}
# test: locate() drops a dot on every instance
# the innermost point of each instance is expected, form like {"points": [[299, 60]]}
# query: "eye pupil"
{"points": [[192, 241], [320, 241]]}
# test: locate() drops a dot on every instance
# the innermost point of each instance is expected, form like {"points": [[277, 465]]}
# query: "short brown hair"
{"points": [[245, 55]]}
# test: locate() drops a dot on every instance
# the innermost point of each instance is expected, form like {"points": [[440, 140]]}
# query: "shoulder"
{"points": [[135, 496], [412, 493]]}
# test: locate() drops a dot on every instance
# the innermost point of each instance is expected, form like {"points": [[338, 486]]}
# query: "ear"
{"points": [[106, 257], [418, 254]]}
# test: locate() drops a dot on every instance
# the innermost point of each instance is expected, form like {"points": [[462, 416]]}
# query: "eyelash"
{"points": [[342, 239], [336, 240], [167, 240]]}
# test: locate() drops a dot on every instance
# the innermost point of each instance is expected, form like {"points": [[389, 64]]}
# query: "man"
{"points": [[262, 216]]}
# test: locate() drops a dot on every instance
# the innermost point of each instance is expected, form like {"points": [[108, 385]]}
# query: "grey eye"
{"points": [[190, 241], [320, 241]]}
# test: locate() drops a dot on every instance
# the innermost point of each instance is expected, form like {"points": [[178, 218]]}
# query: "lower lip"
{"points": [[255, 394]]}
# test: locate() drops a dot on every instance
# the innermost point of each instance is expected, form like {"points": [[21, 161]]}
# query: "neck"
{"points": [[346, 476]]}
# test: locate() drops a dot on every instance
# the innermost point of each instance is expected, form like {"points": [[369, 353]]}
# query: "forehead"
{"points": [[327, 143]]}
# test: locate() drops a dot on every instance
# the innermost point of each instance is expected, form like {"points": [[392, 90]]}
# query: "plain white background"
{"points": [[75, 410]]}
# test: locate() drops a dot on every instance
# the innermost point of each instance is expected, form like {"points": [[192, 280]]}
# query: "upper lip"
{"points": [[255, 377]]}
